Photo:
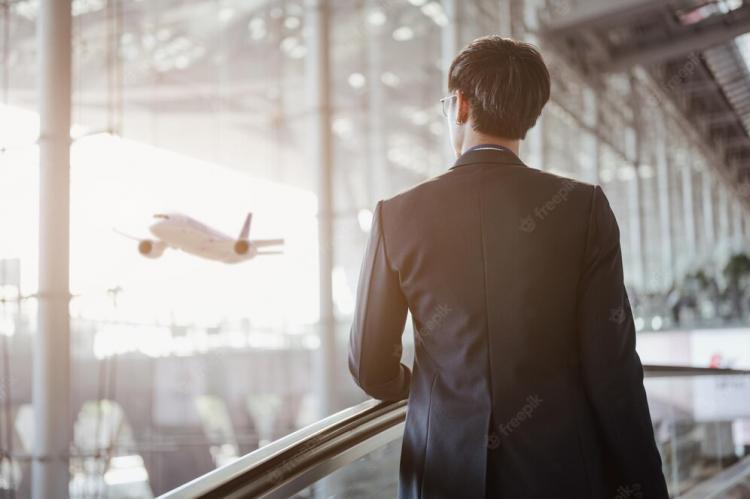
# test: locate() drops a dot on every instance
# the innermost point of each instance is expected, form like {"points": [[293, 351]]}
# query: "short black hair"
{"points": [[506, 82]]}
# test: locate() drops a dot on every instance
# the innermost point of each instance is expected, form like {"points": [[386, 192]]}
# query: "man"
{"points": [[526, 383]]}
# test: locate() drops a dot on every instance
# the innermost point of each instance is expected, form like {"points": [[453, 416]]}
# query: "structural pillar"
{"points": [[635, 223], [377, 162], [725, 236], [318, 79], [665, 217], [51, 361], [505, 16], [590, 139], [737, 239], [450, 36], [689, 211], [449, 46], [709, 241]]}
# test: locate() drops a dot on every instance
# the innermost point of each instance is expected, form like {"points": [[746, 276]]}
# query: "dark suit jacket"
{"points": [[526, 382]]}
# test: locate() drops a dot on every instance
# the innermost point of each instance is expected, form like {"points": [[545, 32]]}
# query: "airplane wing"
{"points": [[242, 246], [136, 238], [261, 243]]}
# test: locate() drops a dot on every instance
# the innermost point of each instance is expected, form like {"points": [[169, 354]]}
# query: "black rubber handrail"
{"points": [[320, 446], [334, 435], [260, 472], [655, 371]]}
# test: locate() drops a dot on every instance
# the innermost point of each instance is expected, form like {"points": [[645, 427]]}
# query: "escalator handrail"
{"points": [[297, 460], [259, 470], [668, 371]]}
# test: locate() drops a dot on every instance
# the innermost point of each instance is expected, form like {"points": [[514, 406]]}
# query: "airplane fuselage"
{"points": [[191, 236]]}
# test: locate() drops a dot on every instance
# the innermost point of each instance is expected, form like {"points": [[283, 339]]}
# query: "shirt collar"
{"points": [[487, 146], [488, 153]]}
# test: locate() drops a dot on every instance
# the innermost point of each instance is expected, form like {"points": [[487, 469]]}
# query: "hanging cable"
{"points": [[7, 438], [101, 383], [116, 113], [117, 106], [111, 387], [110, 76], [6, 50], [6, 69], [100, 396], [80, 51], [108, 365], [8, 402], [118, 62]]}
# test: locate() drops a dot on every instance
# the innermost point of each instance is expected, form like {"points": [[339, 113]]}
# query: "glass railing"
{"points": [[698, 417], [700, 422]]}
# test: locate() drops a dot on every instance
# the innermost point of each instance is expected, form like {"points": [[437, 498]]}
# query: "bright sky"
{"points": [[119, 183]]}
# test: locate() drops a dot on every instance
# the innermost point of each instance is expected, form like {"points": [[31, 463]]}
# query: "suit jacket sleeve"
{"points": [[612, 370], [379, 317]]}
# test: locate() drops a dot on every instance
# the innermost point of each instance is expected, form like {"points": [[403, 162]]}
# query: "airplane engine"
{"points": [[242, 247], [151, 249]]}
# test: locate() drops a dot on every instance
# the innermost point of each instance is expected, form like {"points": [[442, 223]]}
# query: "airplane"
{"points": [[179, 231]]}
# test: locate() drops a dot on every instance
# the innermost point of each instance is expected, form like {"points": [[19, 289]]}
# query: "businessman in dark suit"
{"points": [[526, 383]]}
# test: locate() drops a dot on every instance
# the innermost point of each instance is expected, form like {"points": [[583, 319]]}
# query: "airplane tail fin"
{"points": [[245, 232]]}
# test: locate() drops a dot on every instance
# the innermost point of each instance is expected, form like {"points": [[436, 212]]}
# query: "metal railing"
{"points": [[722, 484], [296, 461]]}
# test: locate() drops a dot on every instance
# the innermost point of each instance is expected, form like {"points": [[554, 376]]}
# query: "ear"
{"points": [[462, 114]]}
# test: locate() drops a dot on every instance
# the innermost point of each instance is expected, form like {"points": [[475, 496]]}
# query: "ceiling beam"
{"points": [[736, 143], [694, 38], [596, 14], [719, 119], [737, 95], [699, 87]]}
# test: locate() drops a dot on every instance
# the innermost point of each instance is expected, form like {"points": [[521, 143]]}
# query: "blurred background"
{"points": [[306, 113]]}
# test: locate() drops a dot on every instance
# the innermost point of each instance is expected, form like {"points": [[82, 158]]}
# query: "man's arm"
{"points": [[379, 317], [612, 370]]}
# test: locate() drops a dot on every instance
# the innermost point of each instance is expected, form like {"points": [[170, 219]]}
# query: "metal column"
{"points": [[377, 162], [450, 38], [665, 218], [635, 224], [709, 244], [591, 141], [725, 243], [505, 16], [318, 69], [736, 226], [51, 369], [532, 148], [637, 217], [689, 211], [450, 35]]}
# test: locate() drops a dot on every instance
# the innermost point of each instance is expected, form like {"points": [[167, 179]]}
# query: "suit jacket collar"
{"points": [[490, 155]]}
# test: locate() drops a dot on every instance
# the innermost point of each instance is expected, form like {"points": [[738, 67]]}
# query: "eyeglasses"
{"points": [[445, 103]]}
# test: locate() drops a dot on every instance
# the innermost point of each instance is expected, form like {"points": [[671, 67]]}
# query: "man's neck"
{"points": [[476, 140]]}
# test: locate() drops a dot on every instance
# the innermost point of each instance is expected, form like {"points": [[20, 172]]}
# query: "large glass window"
{"points": [[207, 109]]}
